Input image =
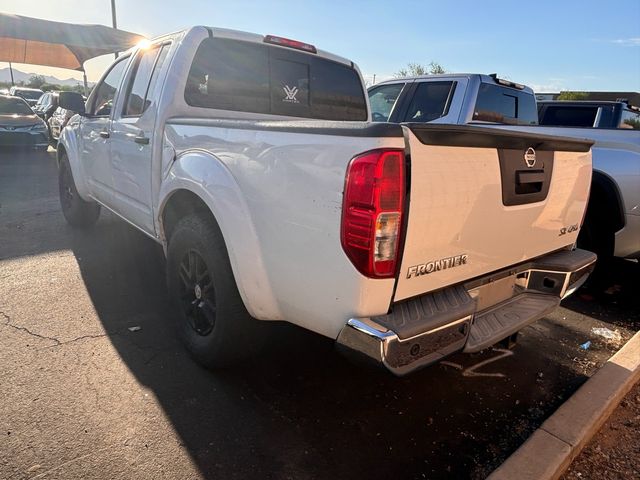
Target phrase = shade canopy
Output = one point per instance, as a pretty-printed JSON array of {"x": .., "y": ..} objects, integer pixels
[{"x": 56, "y": 44}]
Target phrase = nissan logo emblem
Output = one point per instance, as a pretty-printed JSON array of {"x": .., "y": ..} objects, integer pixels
[{"x": 530, "y": 157}]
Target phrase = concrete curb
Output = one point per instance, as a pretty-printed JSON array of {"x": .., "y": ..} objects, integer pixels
[{"x": 550, "y": 450}]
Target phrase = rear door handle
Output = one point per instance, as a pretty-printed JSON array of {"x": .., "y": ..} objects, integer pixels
[
  {"x": 141, "y": 139},
  {"x": 104, "y": 134}
]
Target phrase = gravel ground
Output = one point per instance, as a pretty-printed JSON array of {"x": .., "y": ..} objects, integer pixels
[{"x": 614, "y": 452}]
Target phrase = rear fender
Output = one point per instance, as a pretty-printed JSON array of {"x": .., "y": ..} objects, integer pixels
[{"x": 204, "y": 175}]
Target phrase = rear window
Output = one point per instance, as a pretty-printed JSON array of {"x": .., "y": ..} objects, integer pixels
[
  {"x": 569, "y": 116},
  {"x": 500, "y": 104},
  {"x": 249, "y": 77}
]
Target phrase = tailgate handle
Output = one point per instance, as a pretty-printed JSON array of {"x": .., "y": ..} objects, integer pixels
[
  {"x": 528, "y": 181},
  {"x": 530, "y": 177}
]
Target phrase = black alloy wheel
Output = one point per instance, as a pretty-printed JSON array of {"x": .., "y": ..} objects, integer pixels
[{"x": 197, "y": 294}]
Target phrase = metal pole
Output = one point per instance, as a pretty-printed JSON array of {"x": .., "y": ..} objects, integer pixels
[
  {"x": 11, "y": 71},
  {"x": 84, "y": 78},
  {"x": 113, "y": 19}
]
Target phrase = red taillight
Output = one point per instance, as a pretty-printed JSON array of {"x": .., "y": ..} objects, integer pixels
[
  {"x": 372, "y": 211},
  {"x": 286, "y": 42}
]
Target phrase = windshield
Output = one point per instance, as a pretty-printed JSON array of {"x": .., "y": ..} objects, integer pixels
[{"x": 10, "y": 106}]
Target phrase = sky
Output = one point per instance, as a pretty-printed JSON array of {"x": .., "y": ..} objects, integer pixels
[{"x": 548, "y": 45}]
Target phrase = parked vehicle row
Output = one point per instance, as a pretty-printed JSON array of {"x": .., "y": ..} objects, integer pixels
[
  {"x": 18, "y": 117},
  {"x": 253, "y": 161}
]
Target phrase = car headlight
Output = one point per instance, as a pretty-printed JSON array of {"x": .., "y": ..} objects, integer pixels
[{"x": 39, "y": 127}]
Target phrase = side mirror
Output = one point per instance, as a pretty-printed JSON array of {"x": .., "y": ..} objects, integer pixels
[{"x": 72, "y": 101}]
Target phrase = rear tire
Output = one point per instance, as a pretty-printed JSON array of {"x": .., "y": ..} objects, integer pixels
[
  {"x": 596, "y": 237},
  {"x": 76, "y": 211},
  {"x": 212, "y": 320}
]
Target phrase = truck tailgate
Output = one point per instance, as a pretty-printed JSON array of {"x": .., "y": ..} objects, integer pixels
[{"x": 482, "y": 199}]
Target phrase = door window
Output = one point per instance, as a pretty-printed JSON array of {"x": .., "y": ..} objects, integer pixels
[
  {"x": 383, "y": 99},
  {"x": 431, "y": 101},
  {"x": 105, "y": 92},
  {"x": 144, "y": 79}
]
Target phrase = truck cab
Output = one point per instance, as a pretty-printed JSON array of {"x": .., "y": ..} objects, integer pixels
[{"x": 459, "y": 98}]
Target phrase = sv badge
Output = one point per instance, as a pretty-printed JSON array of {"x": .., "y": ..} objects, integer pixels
[{"x": 569, "y": 229}]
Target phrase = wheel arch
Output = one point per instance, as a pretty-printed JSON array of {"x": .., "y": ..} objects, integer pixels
[
  {"x": 68, "y": 145},
  {"x": 605, "y": 201},
  {"x": 199, "y": 182}
]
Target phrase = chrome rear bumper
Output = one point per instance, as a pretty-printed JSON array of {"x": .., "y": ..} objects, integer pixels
[{"x": 468, "y": 317}]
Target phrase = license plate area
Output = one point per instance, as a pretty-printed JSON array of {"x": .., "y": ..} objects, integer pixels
[{"x": 494, "y": 292}]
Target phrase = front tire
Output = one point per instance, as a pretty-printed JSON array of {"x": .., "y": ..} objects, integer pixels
[
  {"x": 212, "y": 320},
  {"x": 76, "y": 211}
]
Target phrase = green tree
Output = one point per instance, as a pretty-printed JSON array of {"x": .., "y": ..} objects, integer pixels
[
  {"x": 36, "y": 81},
  {"x": 573, "y": 96},
  {"x": 78, "y": 87},
  {"x": 48, "y": 87},
  {"x": 416, "y": 69}
]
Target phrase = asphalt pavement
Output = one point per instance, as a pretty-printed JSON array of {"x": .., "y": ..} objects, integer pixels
[{"x": 87, "y": 394}]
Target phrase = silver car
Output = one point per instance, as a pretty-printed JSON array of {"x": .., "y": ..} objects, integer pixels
[{"x": 19, "y": 126}]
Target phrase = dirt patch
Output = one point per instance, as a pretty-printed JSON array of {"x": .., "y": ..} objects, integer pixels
[{"x": 614, "y": 452}]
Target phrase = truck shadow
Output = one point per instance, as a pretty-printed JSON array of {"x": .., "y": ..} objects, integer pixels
[{"x": 301, "y": 410}]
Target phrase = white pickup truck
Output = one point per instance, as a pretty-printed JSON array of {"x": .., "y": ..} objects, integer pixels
[{"x": 253, "y": 161}]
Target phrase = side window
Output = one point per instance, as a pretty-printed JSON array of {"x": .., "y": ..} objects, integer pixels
[
  {"x": 143, "y": 80},
  {"x": 430, "y": 102},
  {"x": 152, "y": 91},
  {"x": 630, "y": 119},
  {"x": 505, "y": 105},
  {"x": 382, "y": 100},
  {"x": 106, "y": 91}
]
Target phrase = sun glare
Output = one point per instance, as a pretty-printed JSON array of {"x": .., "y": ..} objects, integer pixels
[{"x": 143, "y": 44}]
